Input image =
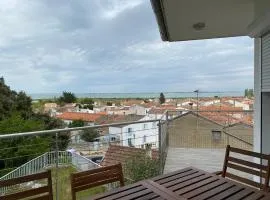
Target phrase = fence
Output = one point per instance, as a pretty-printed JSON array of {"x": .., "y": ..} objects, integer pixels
[{"x": 23, "y": 153}]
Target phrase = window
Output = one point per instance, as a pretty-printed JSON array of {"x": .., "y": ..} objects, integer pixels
[
  {"x": 145, "y": 126},
  {"x": 129, "y": 132},
  {"x": 154, "y": 125},
  {"x": 130, "y": 142},
  {"x": 144, "y": 139},
  {"x": 216, "y": 135}
]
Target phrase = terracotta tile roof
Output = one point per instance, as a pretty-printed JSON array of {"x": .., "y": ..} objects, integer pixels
[
  {"x": 86, "y": 117},
  {"x": 119, "y": 154}
]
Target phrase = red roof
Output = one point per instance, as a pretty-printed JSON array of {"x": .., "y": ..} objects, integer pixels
[
  {"x": 86, "y": 117},
  {"x": 119, "y": 154}
]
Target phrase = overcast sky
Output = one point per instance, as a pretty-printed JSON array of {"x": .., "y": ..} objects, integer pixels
[{"x": 111, "y": 46}]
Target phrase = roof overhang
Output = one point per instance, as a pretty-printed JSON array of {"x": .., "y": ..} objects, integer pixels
[{"x": 181, "y": 20}]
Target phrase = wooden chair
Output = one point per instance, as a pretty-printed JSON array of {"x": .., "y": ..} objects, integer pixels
[
  {"x": 44, "y": 192},
  {"x": 96, "y": 177},
  {"x": 250, "y": 167}
]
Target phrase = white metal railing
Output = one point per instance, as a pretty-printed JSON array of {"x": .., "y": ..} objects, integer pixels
[{"x": 48, "y": 159}]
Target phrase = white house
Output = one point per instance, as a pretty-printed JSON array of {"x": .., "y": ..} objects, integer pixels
[
  {"x": 139, "y": 109},
  {"x": 137, "y": 135},
  {"x": 244, "y": 105},
  {"x": 184, "y": 20}
]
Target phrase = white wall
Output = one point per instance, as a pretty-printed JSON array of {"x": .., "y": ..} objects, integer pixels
[{"x": 141, "y": 134}]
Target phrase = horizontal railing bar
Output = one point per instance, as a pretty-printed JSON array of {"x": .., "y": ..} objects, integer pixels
[
  {"x": 12, "y": 135},
  {"x": 244, "y": 111}
]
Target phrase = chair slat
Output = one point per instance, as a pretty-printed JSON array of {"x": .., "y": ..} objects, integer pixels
[
  {"x": 247, "y": 163},
  {"x": 24, "y": 179},
  {"x": 247, "y": 170},
  {"x": 243, "y": 180},
  {"x": 44, "y": 191},
  {"x": 27, "y": 193},
  {"x": 250, "y": 153},
  {"x": 96, "y": 177}
]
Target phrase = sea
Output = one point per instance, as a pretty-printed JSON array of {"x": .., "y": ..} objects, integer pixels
[{"x": 36, "y": 96}]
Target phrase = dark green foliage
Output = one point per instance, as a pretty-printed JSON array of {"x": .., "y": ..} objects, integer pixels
[
  {"x": 109, "y": 103},
  {"x": 16, "y": 116},
  {"x": 67, "y": 97},
  {"x": 76, "y": 123},
  {"x": 249, "y": 93},
  {"x": 162, "y": 98},
  {"x": 89, "y": 135},
  {"x": 86, "y": 101},
  {"x": 141, "y": 167}
]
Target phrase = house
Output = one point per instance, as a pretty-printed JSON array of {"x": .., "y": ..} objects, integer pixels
[
  {"x": 192, "y": 130},
  {"x": 88, "y": 118},
  {"x": 139, "y": 109},
  {"x": 137, "y": 135},
  {"x": 241, "y": 130}
]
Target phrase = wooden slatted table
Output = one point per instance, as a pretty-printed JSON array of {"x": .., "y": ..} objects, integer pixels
[{"x": 188, "y": 183}]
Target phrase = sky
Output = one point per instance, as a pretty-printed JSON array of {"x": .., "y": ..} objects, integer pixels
[{"x": 101, "y": 46}]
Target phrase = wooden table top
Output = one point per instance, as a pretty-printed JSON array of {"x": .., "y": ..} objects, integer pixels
[{"x": 188, "y": 183}]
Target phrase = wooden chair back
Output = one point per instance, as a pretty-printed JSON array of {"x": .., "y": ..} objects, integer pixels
[
  {"x": 250, "y": 167},
  {"x": 96, "y": 177},
  {"x": 44, "y": 192}
]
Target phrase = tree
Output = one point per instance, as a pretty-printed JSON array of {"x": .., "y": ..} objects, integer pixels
[
  {"x": 16, "y": 115},
  {"x": 86, "y": 100},
  {"x": 89, "y": 135},
  {"x": 249, "y": 93},
  {"x": 76, "y": 123},
  {"x": 141, "y": 167},
  {"x": 67, "y": 97},
  {"x": 162, "y": 98},
  {"x": 109, "y": 103}
]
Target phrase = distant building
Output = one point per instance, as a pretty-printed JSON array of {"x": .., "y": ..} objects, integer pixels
[
  {"x": 137, "y": 135},
  {"x": 88, "y": 118}
]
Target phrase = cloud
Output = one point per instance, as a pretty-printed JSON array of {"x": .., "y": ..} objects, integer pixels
[{"x": 111, "y": 46}]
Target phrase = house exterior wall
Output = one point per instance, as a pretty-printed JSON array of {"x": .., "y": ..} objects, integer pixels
[
  {"x": 138, "y": 110},
  {"x": 191, "y": 132},
  {"x": 245, "y": 132}
]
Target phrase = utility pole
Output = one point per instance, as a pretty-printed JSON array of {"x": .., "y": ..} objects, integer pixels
[{"x": 197, "y": 92}]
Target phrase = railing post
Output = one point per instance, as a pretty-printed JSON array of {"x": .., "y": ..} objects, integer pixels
[
  {"x": 56, "y": 166},
  {"x": 160, "y": 146}
]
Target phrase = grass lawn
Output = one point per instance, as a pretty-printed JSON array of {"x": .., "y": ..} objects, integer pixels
[{"x": 64, "y": 185}]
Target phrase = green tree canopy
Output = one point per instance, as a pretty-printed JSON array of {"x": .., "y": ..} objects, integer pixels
[
  {"x": 141, "y": 167},
  {"x": 249, "y": 93},
  {"x": 89, "y": 135},
  {"x": 67, "y": 97},
  {"x": 161, "y": 98},
  {"x": 76, "y": 123}
]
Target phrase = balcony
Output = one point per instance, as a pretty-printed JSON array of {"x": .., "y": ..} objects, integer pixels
[{"x": 179, "y": 140}]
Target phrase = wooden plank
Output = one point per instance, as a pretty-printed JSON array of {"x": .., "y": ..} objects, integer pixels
[
  {"x": 250, "y": 153},
  {"x": 27, "y": 193},
  {"x": 119, "y": 192},
  {"x": 191, "y": 182},
  {"x": 227, "y": 193},
  {"x": 247, "y": 163},
  {"x": 240, "y": 195},
  {"x": 202, "y": 189},
  {"x": 163, "y": 176},
  {"x": 254, "y": 196},
  {"x": 175, "y": 176},
  {"x": 161, "y": 191},
  {"x": 184, "y": 179},
  {"x": 209, "y": 192},
  {"x": 247, "y": 170},
  {"x": 23, "y": 179},
  {"x": 192, "y": 185},
  {"x": 243, "y": 180}
]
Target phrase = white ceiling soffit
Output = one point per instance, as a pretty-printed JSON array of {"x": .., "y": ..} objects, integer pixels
[{"x": 181, "y": 20}]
